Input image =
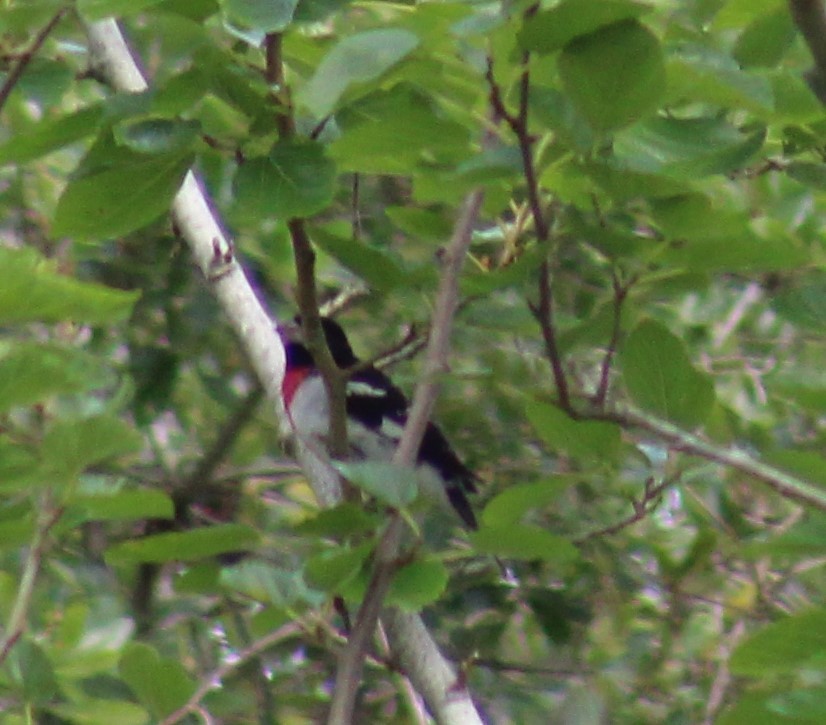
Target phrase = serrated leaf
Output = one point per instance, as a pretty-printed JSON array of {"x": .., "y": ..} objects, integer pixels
[
  {"x": 524, "y": 542},
  {"x": 125, "y": 506},
  {"x": 185, "y": 545},
  {"x": 660, "y": 378},
  {"x": 782, "y": 646},
  {"x": 594, "y": 72},
  {"x": 586, "y": 440},
  {"x": 31, "y": 373},
  {"x": 418, "y": 584},
  {"x": 393, "y": 485},
  {"x": 160, "y": 683},
  {"x": 113, "y": 201},
  {"x": 357, "y": 59},
  {"x": 295, "y": 180},
  {"x": 31, "y": 290},
  {"x": 549, "y": 30}
]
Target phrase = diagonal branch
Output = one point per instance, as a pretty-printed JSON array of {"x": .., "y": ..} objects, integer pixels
[
  {"x": 411, "y": 643},
  {"x": 28, "y": 55},
  {"x": 348, "y": 675},
  {"x": 810, "y": 18}
]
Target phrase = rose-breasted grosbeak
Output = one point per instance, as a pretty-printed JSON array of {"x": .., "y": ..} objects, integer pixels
[{"x": 376, "y": 415}]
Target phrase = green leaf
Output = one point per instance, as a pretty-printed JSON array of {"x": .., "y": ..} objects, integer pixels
[
  {"x": 346, "y": 519},
  {"x": 513, "y": 503},
  {"x": 31, "y": 290},
  {"x": 660, "y": 378},
  {"x": 783, "y": 646},
  {"x": 803, "y": 705},
  {"x": 184, "y": 546},
  {"x": 391, "y": 132},
  {"x": 295, "y": 180},
  {"x": 355, "y": 60},
  {"x": 418, "y": 584},
  {"x": 101, "y": 712},
  {"x": 111, "y": 202},
  {"x": 549, "y": 30},
  {"x": 393, "y": 485},
  {"x": 160, "y": 683},
  {"x": 100, "y": 9},
  {"x": 805, "y": 303},
  {"x": 33, "y": 671},
  {"x": 701, "y": 73},
  {"x": 686, "y": 148},
  {"x": 42, "y": 138},
  {"x": 587, "y": 440},
  {"x": 71, "y": 445},
  {"x": 266, "y": 583},
  {"x": 125, "y": 506},
  {"x": 525, "y": 542},
  {"x": 330, "y": 570},
  {"x": 30, "y": 373},
  {"x": 766, "y": 40},
  {"x": 252, "y": 20},
  {"x": 596, "y": 74},
  {"x": 379, "y": 269},
  {"x": 157, "y": 135}
]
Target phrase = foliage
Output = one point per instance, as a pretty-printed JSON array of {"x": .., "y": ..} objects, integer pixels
[{"x": 638, "y": 353}]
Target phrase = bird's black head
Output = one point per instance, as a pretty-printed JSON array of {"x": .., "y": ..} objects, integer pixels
[{"x": 297, "y": 354}]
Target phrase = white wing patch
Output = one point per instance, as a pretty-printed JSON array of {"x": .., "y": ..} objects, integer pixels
[{"x": 357, "y": 388}]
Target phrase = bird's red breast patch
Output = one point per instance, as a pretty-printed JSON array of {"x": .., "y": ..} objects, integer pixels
[{"x": 292, "y": 380}]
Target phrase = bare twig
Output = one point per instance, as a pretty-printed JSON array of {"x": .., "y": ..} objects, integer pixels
[
  {"x": 214, "y": 678},
  {"x": 620, "y": 294},
  {"x": 649, "y": 501},
  {"x": 27, "y": 56},
  {"x": 47, "y": 517},
  {"x": 348, "y": 675}
]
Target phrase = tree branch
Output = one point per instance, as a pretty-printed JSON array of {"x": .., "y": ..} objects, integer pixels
[
  {"x": 213, "y": 253},
  {"x": 46, "y": 518},
  {"x": 348, "y": 675},
  {"x": 214, "y": 678},
  {"x": 25, "y": 58}
]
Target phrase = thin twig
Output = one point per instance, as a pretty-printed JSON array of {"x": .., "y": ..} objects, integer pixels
[
  {"x": 544, "y": 313},
  {"x": 620, "y": 295},
  {"x": 47, "y": 517},
  {"x": 28, "y": 55},
  {"x": 349, "y": 671},
  {"x": 214, "y": 678},
  {"x": 649, "y": 501}
]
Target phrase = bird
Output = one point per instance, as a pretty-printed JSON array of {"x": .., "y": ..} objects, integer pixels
[{"x": 376, "y": 415}]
